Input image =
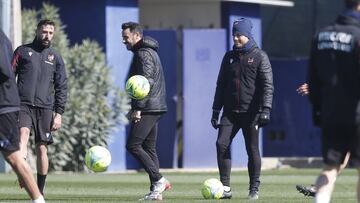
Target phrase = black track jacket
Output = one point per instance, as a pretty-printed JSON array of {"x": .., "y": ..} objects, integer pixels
[
  {"x": 146, "y": 62},
  {"x": 245, "y": 82},
  {"x": 334, "y": 72},
  {"x": 9, "y": 97},
  {"x": 42, "y": 80}
]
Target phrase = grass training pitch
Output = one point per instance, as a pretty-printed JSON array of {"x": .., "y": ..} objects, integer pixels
[{"x": 276, "y": 186}]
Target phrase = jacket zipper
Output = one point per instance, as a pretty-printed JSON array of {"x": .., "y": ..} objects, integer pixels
[
  {"x": 238, "y": 84},
  {"x": 37, "y": 77}
]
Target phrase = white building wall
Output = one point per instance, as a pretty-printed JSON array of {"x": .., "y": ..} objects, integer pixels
[
  {"x": 175, "y": 14},
  {"x": 5, "y": 16}
]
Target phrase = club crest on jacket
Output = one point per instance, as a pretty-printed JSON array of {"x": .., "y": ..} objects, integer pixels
[{"x": 51, "y": 57}]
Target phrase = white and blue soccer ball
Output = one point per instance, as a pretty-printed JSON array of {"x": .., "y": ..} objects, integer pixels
[
  {"x": 212, "y": 189},
  {"x": 97, "y": 158},
  {"x": 137, "y": 87}
]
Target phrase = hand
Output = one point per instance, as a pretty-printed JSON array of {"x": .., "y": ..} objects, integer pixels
[
  {"x": 56, "y": 122},
  {"x": 214, "y": 119},
  {"x": 264, "y": 117},
  {"x": 136, "y": 116},
  {"x": 303, "y": 89}
]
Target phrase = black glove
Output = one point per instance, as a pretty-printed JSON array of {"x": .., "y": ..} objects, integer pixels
[
  {"x": 264, "y": 117},
  {"x": 316, "y": 115},
  {"x": 214, "y": 119}
]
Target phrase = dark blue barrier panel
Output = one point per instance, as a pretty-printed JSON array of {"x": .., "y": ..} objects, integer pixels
[
  {"x": 291, "y": 132},
  {"x": 85, "y": 18},
  {"x": 119, "y": 61},
  {"x": 167, "y": 126},
  {"x": 203, "y": 50},
  {"x": 79, "y": 18}
]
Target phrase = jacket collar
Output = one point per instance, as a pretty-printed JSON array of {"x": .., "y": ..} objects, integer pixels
[
  {"x": 38, "y": 46},
  {"x": 249, "y": 46},
  {"x": 346, "y": 19},
  {"x": 146, "y": 42}
]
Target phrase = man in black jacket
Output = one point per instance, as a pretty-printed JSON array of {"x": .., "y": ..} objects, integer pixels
[
  {"x": 146, "y": 113},
  {"x": 334, "y": 83},
  {"x": 42, "y": 85},
  {"x": 244, "y": 91},
  {"x": 9, "y": 123},
  {"x": 303, "y": 90}
]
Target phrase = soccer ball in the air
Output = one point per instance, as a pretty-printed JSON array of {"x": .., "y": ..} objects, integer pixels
[
  {"x": 212, "y": 189},
  {"x": 137, "y": 87},
  {"x": 97, "y": 158}
]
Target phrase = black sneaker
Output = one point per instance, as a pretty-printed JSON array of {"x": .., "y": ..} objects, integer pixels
[
  {"x": 310, "y": 192},
  {"x": 253, "y": 195},
  {"x": 226, "y": 195}
]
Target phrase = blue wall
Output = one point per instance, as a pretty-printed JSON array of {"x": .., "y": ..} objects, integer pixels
[
  {"x": 83, "y": 19},
  {"x": 202, "y": 54},
  {"x": 89, "y": 15},
  {"x": 167, "y": 126},
  {"x": 291, "y": 132},
  {"x": 118, "y": 58}
]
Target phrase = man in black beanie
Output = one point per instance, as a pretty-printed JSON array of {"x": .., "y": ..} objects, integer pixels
[
  {"x": 244, "y": 92},
  {"x": 334, "y": 84}
]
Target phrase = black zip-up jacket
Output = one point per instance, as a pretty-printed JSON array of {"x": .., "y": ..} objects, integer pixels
[
  {"x": 42, "y": 80},
  {"x": 9, "y": 97},
  {"x": 245, "y": 82},
  {"x": 146, "y": 62},
  {"x": 334, "y": 72}
]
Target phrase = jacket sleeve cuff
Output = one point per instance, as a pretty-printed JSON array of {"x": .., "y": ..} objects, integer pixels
[
  {"x": 266, "y": 109},
  {"x": 59, "y": 111}
]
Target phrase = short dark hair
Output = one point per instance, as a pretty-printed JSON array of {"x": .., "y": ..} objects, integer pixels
[
  {"x": 351, "y": 3},
  {"x": 45, "y": 22},
  {"x": 134, "y": 27}
]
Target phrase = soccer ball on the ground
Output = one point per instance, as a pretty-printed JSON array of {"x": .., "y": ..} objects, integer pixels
[
  {"x": 97, "y": 158},
  {"x": 212, "y": 189},
  {"x": 137, "y": 87}
]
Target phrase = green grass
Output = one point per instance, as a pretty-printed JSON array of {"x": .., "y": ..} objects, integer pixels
[{"x": 278, "y": 186}]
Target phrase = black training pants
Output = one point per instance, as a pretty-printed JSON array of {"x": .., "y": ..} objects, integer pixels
[
  {"x": 229, "y": 126},
  {"x": 141, "y": 143}
]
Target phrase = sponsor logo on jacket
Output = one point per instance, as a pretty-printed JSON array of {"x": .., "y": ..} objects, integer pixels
[{"x": 339, "y": 41}]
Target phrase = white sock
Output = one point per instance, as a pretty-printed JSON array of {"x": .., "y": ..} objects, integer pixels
[
  {"x": 39, "y": 200},
  {"x": 227, "y": 188},
  {"x": 323, "y": 197}
]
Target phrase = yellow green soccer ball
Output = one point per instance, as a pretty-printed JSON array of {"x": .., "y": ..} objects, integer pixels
[
  {"x": 212, "y": 189},
  {"x": 97, "y": 158},
  {"x": 137, "y": 87}
]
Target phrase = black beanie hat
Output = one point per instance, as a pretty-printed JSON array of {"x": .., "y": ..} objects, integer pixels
[{"x": 243, "y": 26}]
